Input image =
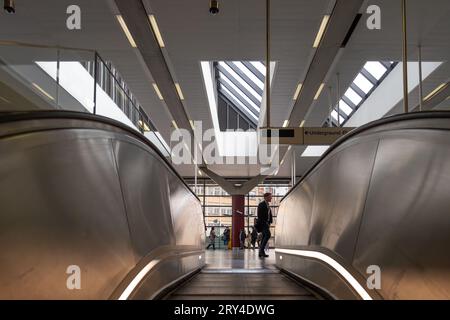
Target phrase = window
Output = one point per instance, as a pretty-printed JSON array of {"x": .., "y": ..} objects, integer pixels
[
  {"x": 365, "y": 82},
  {"x": 362, "y": 83},
  {"x": 345, "y": 107},
  {"x": 241, "y": 84},
  {"x": 375, "y": 68},
  {"x": 353, "y": 96}
]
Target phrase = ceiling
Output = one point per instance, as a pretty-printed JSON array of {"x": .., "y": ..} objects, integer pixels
[{"x": 191, "y": 34}]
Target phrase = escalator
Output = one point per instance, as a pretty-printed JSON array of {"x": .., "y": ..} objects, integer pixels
[
  {"x": 235, "y": 285},
  {"x": 88, "y": 202}
]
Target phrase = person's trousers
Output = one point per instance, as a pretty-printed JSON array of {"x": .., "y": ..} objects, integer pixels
[{"x": 265, "y": 239}]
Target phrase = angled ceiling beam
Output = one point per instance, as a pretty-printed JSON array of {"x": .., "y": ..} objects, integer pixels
[
  {"x": 341, "y": 20},
  {"x": 135, "y": 16},
  {"x": 230, "y": 187}
]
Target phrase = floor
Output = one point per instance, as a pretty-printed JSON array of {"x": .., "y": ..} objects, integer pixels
[{"x": 240, "y": 275}]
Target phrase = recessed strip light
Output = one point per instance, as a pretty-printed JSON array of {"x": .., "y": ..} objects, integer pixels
[
  {"x": 297, "y": 91},
  {"x": 126, "y": 31},
  {"x": 435, "y": 91},
  {"x": 45, "y": 93},
  {"x": 333, "y": 264},
  {"x": 180, "y": 93},
  {"x": 144, "y": 126},
  {"x": 158, "y": 93},
  {"x": 139, "y": 277},
  {"x": 156, "y": 30},
  {"x": 174, "y": 124},
  {"x": 319, "y": 91},
  {"x": 192, "y": 124},
  {"x": 322, "y": 28},
  {"x": 285, "y": 123},
  {"x": 302, "y": 124}
]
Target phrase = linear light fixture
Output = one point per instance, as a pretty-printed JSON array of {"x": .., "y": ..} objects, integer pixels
[
  {"x": 158, "y": 93},
  {"x": 144, "y": 126},
  {"x": 139, "y": 277},
  {"x": 45, "y": 93},
  {"x": 302, "y": 123},
  {"x": 435, "y": 91},
  {"x": 192, "y": 124},
  {"x": 126, "y": 31},
  {"x": 156, "y": 30},
  {"x": 333, "y": 264},
  {"x": 297, "y": 91},
  {"x": 319, "y": 91},
  {"x": 285, "y": 123},
  {"x": 174, "y": 124},
  {"x": 321, "y": 31},
  {"x": 180, "y": 93}
]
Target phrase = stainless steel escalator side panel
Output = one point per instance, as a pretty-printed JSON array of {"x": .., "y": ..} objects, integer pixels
[
  {"x": 61, "y": 205},
  {"x": 406, "y": 225},
  {"x": 379, "y": 197},
  {"x": 85, "y": 192}
]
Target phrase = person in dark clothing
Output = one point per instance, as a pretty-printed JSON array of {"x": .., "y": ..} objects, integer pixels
[
  {"x": 264, "y": 221},
  {"x": 254, "y": 236},
  {"x": 242, "y": 237},
  {"x": 226, "y": 236}
]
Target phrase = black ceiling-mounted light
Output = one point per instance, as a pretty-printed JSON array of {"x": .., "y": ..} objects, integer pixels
[
  {"x": 214, "y": 7},
  {"x": 9, "y": 6}
]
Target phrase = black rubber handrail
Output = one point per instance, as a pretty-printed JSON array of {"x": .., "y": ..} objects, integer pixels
[
  {"x": 12, "y": 116},
  {"x": 391, "y": 119}
]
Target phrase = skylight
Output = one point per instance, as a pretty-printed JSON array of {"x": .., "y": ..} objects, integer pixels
[
  {"x": 365, "y": 82},
  {"x": 362, "y": 83},
  {"x": 241, "y": 83},
  {"x": 375, "y": 68},
  {"x": 353, "y": 96}
]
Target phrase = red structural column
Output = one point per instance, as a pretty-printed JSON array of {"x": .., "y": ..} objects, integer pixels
[{"x": 238, "y": 207}]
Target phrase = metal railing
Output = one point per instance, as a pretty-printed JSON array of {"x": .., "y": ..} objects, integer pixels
[{"x": 77, "y": 80}]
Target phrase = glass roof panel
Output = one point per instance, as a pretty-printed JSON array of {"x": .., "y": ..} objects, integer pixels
[
  {"x": 241, "y": 81},
  {"x": 258, "y": 65},
  {"x": 242, "y": 95},
  {"x": 375, "y": 68},
  {"x": 249, "y": 74},
  {"x": 353, "y": 96},
  {"x": 362, "y": 82},
  {"x": 345, "y": 107}
]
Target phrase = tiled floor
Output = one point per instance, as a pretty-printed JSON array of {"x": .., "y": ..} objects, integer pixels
[
  {"x": 238, "y": 259},
  {"x": 240, "y": 275}
]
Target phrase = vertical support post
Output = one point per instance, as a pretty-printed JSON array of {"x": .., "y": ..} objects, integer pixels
[
  {"x": 338, "y": 89},
  {"x": 420, "y": 79},
  {"x": 95, "y": 82},
  {"x": 268, "y": 63},
  {"x": 58, "y": 59},
  {"x": 195, "y": 177},
  {"x": 238, "y": 221},
  {"x": 330, "y": 101},
  {"x": 405, "y": 59},
  {"x": 293, "y": 166}
]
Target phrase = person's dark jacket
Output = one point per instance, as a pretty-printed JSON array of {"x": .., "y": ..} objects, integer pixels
[
  {"x": 226, "y": 234},
  {"x": 264, "y": 216},
  {"x": 254, "y": 235},
  {"x": 242, "y": 236}
]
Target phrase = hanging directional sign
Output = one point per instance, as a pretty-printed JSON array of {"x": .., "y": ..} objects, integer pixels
[
  {"x": 323, "y": 136},
  {"x": 302, "y": 136}
]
